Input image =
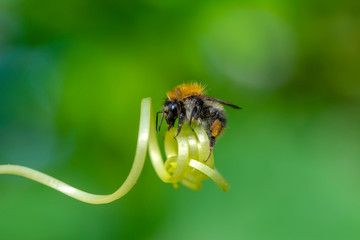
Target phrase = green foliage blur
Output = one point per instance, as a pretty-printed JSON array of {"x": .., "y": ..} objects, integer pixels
[{"x": 73, "y": 73}]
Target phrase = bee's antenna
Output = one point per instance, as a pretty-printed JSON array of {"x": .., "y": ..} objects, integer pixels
[
  {"x": 162, "y": 117},
  {"x": 157, "y": 118}
]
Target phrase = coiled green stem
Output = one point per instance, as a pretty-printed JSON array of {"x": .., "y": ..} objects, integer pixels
[{"x": 184, "y": 162}]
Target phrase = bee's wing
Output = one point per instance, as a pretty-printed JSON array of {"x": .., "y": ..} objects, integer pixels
[{"x": 219, "y": 101}]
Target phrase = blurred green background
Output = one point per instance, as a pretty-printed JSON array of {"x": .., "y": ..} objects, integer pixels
[{"x": 73, "y": 73}]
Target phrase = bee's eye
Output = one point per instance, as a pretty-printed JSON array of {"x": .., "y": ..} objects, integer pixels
[
  {"x": 174, "y": 108},
  {"x": 171, "y": 108}
]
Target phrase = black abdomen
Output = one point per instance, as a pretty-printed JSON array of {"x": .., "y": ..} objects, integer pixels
[{"x": 210, "y": 113}]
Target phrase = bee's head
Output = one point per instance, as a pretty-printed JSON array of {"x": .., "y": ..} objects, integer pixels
[{"x": 171, "y": 112}]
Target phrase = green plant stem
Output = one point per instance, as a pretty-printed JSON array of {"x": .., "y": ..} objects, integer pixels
[{"x": 181, "y": 157}]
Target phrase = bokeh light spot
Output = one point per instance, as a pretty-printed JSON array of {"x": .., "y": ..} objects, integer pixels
[{"x": 252, "y": 47}]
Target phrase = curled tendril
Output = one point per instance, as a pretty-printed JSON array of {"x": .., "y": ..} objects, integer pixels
[{"x": 184, "y": 163}]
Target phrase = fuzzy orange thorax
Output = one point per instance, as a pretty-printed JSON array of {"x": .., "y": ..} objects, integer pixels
[{"x": 185, "y": 90}]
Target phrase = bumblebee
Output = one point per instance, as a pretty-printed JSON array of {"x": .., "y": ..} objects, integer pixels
[{"x": 188, "y": 103}]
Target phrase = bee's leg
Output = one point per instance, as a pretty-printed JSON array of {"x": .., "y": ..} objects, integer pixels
[
  {"x": 215, "y": 128},
  {"x": 182, "y": 118},
  {"x": 195, "y": 112},
  {"x": 212, "y": 145}
]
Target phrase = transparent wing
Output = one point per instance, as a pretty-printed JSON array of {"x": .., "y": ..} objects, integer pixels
[{"x": 220, "y": 101}]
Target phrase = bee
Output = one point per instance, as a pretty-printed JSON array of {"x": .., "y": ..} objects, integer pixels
[{"x": 187, "y": 103}]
